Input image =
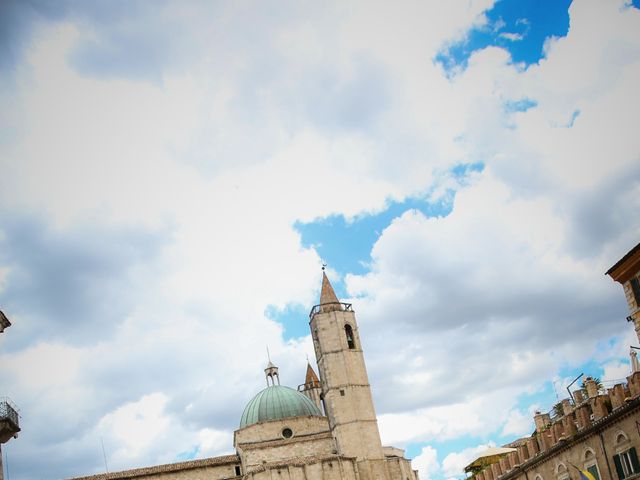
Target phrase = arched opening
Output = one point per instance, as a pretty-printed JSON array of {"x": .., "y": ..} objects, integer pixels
[{"x": 349, "y": 333}]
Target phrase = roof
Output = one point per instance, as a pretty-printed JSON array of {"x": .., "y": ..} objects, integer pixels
[
  {"x": 627, "y": 266},
  {"x": 275, "y": 403},
  {"x": 169, "y": 467},
  {"x": 311, "y": 378},
  {"x": 490, "y": 455},
  {"x": 327, "y": 295}
]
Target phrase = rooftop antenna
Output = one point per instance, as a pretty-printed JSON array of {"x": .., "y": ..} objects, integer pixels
[
  {"x": 104, "y": 455},
  {"x": 268, "y": 356},
  {"x": 324, "y": 265}
]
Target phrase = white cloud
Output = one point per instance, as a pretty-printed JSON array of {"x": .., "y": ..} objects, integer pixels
[
  {"x": 333, "y": 112},
  {"x": 518, "y": 423},
  {"x": 454, "y": 463},
  {"x": 426, "y": 463}
]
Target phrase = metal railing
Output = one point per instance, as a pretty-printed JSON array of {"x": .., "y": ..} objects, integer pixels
[
  {"x": 346, "y": 307},
  {"x": 8, "y": 411}
]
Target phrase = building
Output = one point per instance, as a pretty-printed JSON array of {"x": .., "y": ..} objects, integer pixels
[
  {"x": 9, "y": 418},
  {"x": 325, "y": 430},
  {"x": 595, "y": 433}
]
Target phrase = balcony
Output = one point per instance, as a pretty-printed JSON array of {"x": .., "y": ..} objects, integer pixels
[{"x": 9, "y": 420}]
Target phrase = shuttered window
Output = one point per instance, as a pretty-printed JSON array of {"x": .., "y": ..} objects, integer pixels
[{"x": 626, "y": 463}]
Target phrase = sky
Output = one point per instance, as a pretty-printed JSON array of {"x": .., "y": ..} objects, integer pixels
[{"x": 175, "y": 174}]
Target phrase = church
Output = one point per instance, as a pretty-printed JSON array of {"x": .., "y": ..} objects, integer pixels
[{"x": 325, "y": 430}]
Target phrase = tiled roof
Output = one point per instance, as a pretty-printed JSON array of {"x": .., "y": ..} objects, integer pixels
[{"x": 169, "y": 467}]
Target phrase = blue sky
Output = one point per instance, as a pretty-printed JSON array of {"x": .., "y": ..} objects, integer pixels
[{"x": 175, "y": 176}]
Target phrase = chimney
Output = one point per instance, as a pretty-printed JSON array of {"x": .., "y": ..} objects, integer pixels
[
  {"x": 591, "y": 386},
  {"x": 541, "y": 420}
]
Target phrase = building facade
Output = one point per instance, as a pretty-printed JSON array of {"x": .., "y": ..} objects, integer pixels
[
  {"x": 595, "y": 433},
  {"x": 325, "y": 430}
]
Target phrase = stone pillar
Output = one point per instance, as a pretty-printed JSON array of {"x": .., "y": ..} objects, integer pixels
[
  {"x": 513, "y": 459},
  {"x": 583, "y": 416},
  {"x": 532, "y": 446},
  {"x": 633, "y": 381},
  {"x": 497, "y": 471},
  {"x": 616, "y": 395},
  {"x": 578, "y": 396},
  {"x": 569, "y": 425},
  {"x": 592, "y": 388},
  {"x": 488, "y": 473},
  {"x": 558, "y": 430},
  {"x": 504, "y": 464},
  {"x": 523, "y": 452},
  {"x": 479, "y": 476},
  {"x": 599, "y": 407}
]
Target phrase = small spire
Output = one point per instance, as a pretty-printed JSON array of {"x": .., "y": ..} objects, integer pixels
[
  {"x": 327, "y": 295},
  {"x": 311, "y": 379},
  {"x": 271, "y": 372}
]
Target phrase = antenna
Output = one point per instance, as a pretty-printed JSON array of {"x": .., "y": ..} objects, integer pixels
[
  {"x": 104, "y": 455},
  {"x": 268, "y": 356}
]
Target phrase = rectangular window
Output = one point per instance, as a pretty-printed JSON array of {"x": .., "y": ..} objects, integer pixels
[
  {"x": 627, "y": 463},
  {"x": 237, "y": 470}
]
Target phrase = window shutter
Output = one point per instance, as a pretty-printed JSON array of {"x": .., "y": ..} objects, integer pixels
[
  {"x": 635, "y": 287},
  {"x": 634, "y": 459},
  {"x": 618, "y": 462}
]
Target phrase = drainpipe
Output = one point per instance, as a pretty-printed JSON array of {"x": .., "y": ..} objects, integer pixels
[{"x": 606, "y": 456}]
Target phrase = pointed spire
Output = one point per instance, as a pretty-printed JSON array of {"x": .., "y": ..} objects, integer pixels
[
  {"x": 311, "y": 380},
  {"x": 327, "y": 295}
]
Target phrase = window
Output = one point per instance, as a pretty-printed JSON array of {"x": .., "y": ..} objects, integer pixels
[
  {"x": 635, "y": 287},
  {"x": 287, "y": 432},
  {"x": 590, "y": 464},
  {"x": 561, "y": 472},
  {"x": 349, "y": 332},
  {"x": 627, "y": 463},
  {"x": 238, "y": 473}
]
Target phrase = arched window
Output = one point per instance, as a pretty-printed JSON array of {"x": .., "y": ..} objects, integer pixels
[
  {"x": 350, "y": 339},
  {"x": 561, "y": 472},
  {"x": 590, "y": 463}
]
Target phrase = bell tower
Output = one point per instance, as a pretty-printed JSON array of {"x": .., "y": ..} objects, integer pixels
[{"x": 346, "y": 392}]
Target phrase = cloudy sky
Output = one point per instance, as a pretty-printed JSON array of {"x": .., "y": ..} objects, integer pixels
[{"x": 174, "y": 174}]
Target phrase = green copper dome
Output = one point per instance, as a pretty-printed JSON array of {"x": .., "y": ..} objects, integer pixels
[{"x": 277, "y": 402}]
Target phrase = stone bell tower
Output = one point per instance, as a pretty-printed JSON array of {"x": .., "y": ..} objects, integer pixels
[{"x": 346, "y": 393}]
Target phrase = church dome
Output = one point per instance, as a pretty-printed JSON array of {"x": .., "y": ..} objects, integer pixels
[{"x": 277, "y": 402}]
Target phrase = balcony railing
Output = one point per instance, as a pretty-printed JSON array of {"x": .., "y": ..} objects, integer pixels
[
  {"x": 9, "y": 412},
  {"x": 345, "y": 307}
]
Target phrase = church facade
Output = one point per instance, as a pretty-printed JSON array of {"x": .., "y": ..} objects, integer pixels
[{"x": 325, "y": 430}]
